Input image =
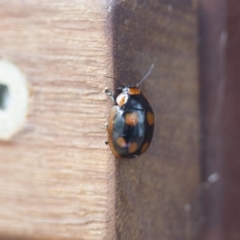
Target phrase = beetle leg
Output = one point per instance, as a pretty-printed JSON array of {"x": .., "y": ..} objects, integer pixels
[{"x": 109, "y": 93}]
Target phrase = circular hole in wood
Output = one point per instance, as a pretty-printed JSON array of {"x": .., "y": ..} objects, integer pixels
[
  {"x": 14, "y": 100},
  {"x": 4, "y": 97}
]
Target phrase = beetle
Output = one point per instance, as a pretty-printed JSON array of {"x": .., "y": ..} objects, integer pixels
[{"x": 131, "y": 122}]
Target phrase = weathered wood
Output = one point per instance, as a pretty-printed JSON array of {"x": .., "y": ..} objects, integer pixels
[
  {"x": 212, "y": 20},
  {"x": 219, "y": 78},
  {"x": 157, "y": 194},
  {"x": 56, "y": 179}
]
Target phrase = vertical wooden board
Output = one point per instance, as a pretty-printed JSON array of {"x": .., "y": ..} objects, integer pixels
[
  {"x": 219, "y": 75},
  {"x": 157, "y": 193},
  {"x": 56, "y": 179},
  {"x": 213, "y": 37}
]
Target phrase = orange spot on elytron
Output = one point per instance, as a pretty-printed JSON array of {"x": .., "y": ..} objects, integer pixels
[
  {"x": 150, "y": 118},
  {"x": 133, "y": 147},
  {"x": 121, "y": 99},
  {"x": 145, "y": 147},
  {"x": 134, "y": 91},
  {"x": 131, "y": 118},
  {"x": 121, "y": 142}
]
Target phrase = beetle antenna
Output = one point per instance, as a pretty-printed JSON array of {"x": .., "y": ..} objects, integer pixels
[
  {"x": 146, "y": 76},
  {"x": 115, "y": 79}
]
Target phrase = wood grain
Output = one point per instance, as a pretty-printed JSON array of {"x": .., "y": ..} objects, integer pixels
[
  {"x": 212, "y": 20},
  {"x": 219, "y": 75},
  {"x": 157, "y": 193},
  {"x": 56, "y": 179}
]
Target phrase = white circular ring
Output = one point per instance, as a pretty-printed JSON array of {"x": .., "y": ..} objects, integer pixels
[{"x": 14, "y": 116}]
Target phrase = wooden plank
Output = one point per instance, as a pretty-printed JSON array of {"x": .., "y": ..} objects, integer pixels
[
  {"x": 231, "y": 121},
  {"x": 56, "y": 179},
  {"x": 212, "y": 19},
  {"x": 219, "y": 75},
  {"x": 157, "y": 193}
]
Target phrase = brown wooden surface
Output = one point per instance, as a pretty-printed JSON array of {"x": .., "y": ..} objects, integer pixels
[
  {"x": 220, "y": 87},
  {"x": 157, "y": 194},
  {"x": 57, "y": 179}
]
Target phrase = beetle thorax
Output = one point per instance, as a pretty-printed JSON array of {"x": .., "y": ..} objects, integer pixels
[{"x": 122, "y": 99}]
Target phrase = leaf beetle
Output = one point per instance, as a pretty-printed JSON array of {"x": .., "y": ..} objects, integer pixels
[{"x": 131, "y": 122}]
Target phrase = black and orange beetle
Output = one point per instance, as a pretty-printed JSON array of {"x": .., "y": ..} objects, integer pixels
[{"x": 131, "y": 122}]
